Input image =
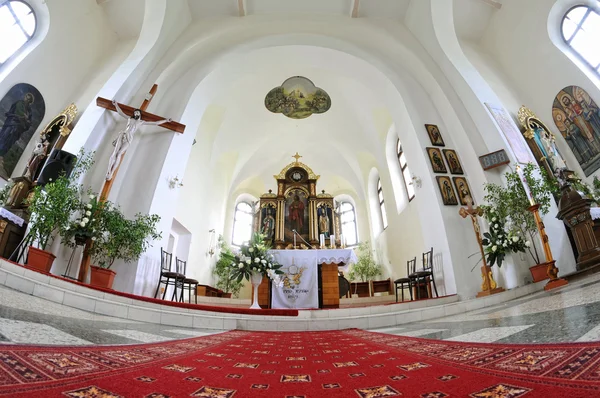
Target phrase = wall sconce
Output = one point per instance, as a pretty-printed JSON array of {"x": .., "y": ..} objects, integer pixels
[
  {"x": 175, "y": 182},
  {"x": 416, "y": 181},
  {"x": 211, "y": 243}
]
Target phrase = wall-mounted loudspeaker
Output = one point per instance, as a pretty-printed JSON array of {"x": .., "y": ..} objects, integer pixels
[{"x": 59, "y": 163}]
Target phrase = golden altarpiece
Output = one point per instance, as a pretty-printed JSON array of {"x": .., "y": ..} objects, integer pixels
[{"x": 296, "y": 211}]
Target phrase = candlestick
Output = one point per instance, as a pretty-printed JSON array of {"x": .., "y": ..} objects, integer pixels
[
  {"x": 332, "y": 241},
  {"x": 294, "y": 241},
  {"x": 525, "y": 185},
  {"x": 342, "y": 243}
]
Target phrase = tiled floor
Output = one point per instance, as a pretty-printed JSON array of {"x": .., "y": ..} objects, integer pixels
[{"x": 571, "y": 313}]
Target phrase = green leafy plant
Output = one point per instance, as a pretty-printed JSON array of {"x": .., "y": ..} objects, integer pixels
[
  {"x": 591, "y": 191},
  {"x": 510, "y": 204},
  {"x": 224, "y": 271},
  {"x": 121, "y": 238},
  {"x": 253, "y": 257},
  {"x": 365, "y": 268},
  {"x": 53, "y": 205}
]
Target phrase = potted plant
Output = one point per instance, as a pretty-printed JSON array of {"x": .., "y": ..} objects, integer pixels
[
  {"x": 366, "y": 268},
  {"x": 509, "y": 204},
  {"x": 252, "y": 262},
  {"x": 224, "y": 272},
  {"x": 120, "y": 238},
  {"x": 51, "y": 208},
  {"x": 87, "y": 223}
]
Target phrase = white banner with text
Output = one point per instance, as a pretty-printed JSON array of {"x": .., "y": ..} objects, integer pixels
[{"x": 300, "y": 288}]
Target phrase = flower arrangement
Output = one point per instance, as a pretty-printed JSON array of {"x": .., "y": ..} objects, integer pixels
[
  {"x": 253, "y": 257},
  {"x": 224, "y": 271},
  {"x": 87, "y": 223},
  {"x": 500, "y": 240}
]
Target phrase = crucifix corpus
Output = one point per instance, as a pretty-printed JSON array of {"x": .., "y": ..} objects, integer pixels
[
  {"x": 136, "y": 117},
  {"x": 489, "y": 286}
]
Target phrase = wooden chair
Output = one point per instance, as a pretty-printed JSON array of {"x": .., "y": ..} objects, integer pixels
[
  {"x": 426, "y": 274},
  {"x": 181, "y": 267},
  {"x": 166, "y": 275},
  {"x": 400, "y": 283}
]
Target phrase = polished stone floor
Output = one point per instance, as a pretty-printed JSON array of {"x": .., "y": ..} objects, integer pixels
[{"x": 571, "y": 313}]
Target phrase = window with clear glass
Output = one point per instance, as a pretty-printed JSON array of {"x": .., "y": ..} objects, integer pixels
[
  {"x": 242, "y": 224},
  {"x": 349, "y": 228},
  {"x": 17, "y": 27},
  {"x": 581, "y": 31},
  {"x": 410, "y": 189},
  {"x": 382, "y": 204}
]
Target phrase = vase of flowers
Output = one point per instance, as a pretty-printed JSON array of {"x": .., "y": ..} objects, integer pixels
[
  {"x": 253, "y": 262},
  {"x": 500, "y": 239}
]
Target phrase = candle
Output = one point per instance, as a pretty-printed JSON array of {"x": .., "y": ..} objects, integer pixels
[
  {"x": 294, "y": 241},
  {"x": 322, "y": 241},
  {"x": 342, "y": 243},
  {"x": 525, "y": 185},
  {"x": 332, "y": 241}
]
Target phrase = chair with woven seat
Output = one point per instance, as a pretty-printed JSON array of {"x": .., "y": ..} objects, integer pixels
[
  {"x": 168, "y": 277},
  {"x": 189, "y": 282},
  {"x": 406, "y": 283},
  {"x": 425, "y": 276}
]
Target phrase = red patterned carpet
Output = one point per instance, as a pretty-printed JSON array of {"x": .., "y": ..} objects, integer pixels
[{"x": 351, "y": 363}]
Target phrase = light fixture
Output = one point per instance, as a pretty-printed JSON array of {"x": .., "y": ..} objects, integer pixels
[
  {"x": 175, "y": 182},
  {"x": 211, "y": 243},
  {"x": 416, "y": 181}
]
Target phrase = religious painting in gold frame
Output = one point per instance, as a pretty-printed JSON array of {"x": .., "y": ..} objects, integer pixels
[
  {"x": 453, "y": 162},
  {"x": 296, "y": 213},
  {"x": 435, "y": 157},
  {"x": 463, "y": 190},
  {"x": 434, "y": 135},
  {"x": 447, "y": 191}
]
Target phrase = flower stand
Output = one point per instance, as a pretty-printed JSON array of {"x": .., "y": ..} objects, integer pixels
[{"x": 256, "y": 280}]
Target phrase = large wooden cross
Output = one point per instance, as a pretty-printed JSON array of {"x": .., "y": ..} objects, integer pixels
[{"x": 128, "y": 110}]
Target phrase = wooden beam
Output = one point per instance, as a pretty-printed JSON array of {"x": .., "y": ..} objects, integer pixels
[
  {"x": 355, "y": 8},
  {"x": 128, "y": 110},
  {"x": 242, "y": 10}
]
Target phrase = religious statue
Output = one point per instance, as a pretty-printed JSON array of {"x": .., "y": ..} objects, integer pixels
[
  {"x": 18, "y": 120},
  {"x": 40, "y": 151},
  {"x": 123, "y": 140},
  {"x": 545, "y": 140},
  {"x": 296, "y": 215},
  {"x": 268, "y": 226},
  {"x": 324, "y": 222},
  {"x": 17, "y": 191}
]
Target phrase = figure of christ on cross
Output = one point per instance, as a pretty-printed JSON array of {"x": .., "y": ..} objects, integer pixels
[{"x": 136, "y": 117}]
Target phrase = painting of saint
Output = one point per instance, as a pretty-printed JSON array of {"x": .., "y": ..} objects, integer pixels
[
  {"x": 448, "y": 195},
  {"x": 453, "y": 162},
  {"x": 296, "y": 217},
  {"x": 577, "y": 117},
  {"x": 435, "y": 156},
  {"x": 267, "y": 227},
  {"x": 21, "y": 112},
  {"x": 462, "y": 187},
  {"x": 434, "y": 135}
]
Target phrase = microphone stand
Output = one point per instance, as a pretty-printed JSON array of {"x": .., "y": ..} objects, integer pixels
[{"x": 300, "y": 236}]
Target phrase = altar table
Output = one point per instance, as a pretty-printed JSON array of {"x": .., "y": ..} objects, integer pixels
[{"x": 312, "y": 279}]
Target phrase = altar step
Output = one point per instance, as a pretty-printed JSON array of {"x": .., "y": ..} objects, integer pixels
[{"x": 367, "y": 317}]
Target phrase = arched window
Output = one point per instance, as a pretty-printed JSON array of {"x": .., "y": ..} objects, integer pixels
[
  {"x": 242, "y": 224},
  {"x": 17, "y": 26},
  {"x": 349, "y": 229},
  {"x": 581, "y": 31},
  {"x": 410, "y": 190},
  {"x": 381, "y": 204}
]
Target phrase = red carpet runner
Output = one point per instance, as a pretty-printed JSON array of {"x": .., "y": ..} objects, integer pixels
[{"x": 347, "y": 363}]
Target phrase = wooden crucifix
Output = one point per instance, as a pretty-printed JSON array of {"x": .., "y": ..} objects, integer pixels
[{"x": 136, "y": 118}]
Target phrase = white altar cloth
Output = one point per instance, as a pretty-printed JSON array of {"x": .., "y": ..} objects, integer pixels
[
  {"x": 595, "y": 213},
  {"x": 301, "y": 285},
  {"x": 12, "y": 217}
]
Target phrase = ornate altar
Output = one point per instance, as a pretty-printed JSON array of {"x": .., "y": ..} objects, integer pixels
[
  {"x": 52, "y": 136},
  {"x": 297, "y": 207}
]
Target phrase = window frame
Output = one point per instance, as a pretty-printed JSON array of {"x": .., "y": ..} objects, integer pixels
[
  {"x": 399, "y": 153},
  {"x": 382, "y": 210},
  {"x": 580, "y": 56},
  {"x": 235, "y": 220},
  {"x": 353, "y": 211}
]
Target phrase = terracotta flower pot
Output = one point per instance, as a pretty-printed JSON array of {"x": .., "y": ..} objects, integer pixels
[
  {"x": 102, "y": 277},
  {"x": 40, "y": 259},
  {"x": 226, "y": 295},
  {"x": 539, "y": 272}
]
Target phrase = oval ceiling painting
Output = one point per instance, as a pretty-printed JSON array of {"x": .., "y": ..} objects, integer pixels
[{"x": 297, "y": 98}]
